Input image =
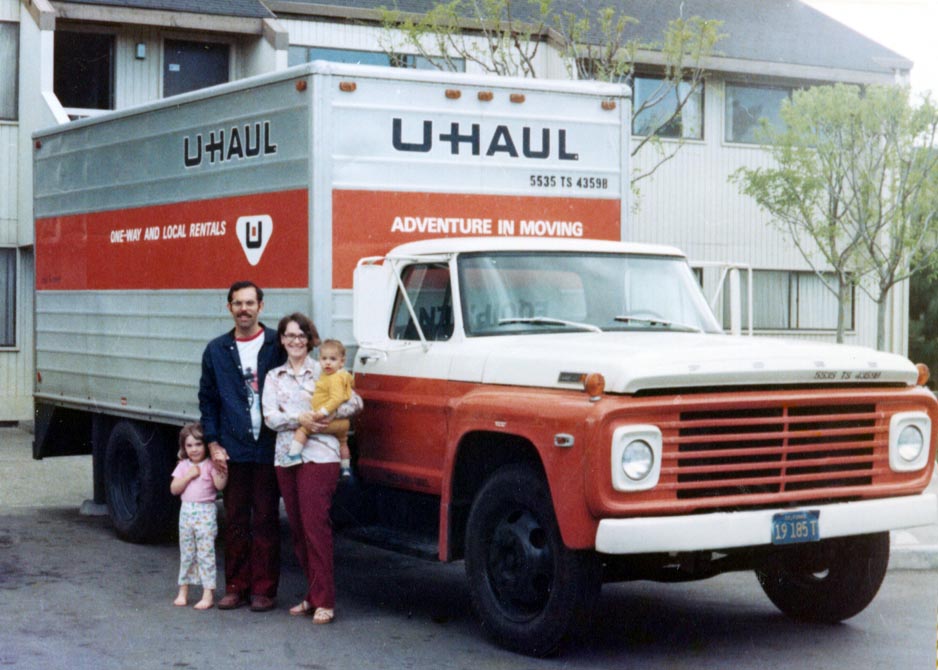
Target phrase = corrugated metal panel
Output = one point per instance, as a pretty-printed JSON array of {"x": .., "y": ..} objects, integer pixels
[
  {"x": 99, "y": 180},
  {"x": 137, "y": 350}
]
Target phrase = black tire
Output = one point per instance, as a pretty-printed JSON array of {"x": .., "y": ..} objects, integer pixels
[
  {"x": 531, "y": 593},
  {"x": 137, "y": 469},
  {"x": 829, "y": 581}
]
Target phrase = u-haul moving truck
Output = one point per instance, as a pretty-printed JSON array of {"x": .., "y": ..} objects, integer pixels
[{"x": 558, "y": 412}]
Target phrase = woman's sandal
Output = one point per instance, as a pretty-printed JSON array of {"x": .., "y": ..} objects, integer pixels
[
  {"x": 301, "y": 609},
  {"x": 323, "y": 615}
]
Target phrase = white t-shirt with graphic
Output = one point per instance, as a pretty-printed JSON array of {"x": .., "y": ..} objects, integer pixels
[{"x": 248, "y": 349}]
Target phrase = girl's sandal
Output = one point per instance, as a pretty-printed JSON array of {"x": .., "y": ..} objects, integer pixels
[
  {"x": 301, "y": 609},
  {"x": 323, "y": 615}
]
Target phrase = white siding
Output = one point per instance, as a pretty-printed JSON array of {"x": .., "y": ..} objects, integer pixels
[
  {"x": 368, "y": 38},
  {"x": 691, "y": 203},
  {"x": 9, "y": 10},
  {"x": 137, "y": 81},
  {"x": 15, "y": 362},
  {"x": 8, "y": 181}
]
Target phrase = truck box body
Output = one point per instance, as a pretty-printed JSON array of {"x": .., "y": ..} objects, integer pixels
[{"x": 145, "y": 216}]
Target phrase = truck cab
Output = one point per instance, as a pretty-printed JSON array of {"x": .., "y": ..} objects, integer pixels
[{"x": 563, "y": 413}]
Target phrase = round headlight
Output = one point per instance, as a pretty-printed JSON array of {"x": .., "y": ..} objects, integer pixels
[
  {"x": 910, "y": 443},
  {"x": 637, "y": 460}
]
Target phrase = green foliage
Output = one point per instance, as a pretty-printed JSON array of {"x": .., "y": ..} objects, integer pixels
[
  {"x": 493, "y": 34},
  {"x": 855, "y": 184},
  {"x": 923, "y": 324}
]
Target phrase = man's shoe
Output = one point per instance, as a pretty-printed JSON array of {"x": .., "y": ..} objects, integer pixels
[
  {"x": 262, "y": 603},
  {"x": 231, "y": 601}
]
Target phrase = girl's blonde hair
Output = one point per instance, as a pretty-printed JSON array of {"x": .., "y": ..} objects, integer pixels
[{"x": 190, "y": 430}]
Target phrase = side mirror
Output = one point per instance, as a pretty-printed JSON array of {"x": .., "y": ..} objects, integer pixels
[{"x": 373, "y": 292}]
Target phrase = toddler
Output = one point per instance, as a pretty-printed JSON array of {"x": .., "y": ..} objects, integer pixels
[
  {"x": 198, "y": 482},
  {"x": 333, "y": 388}
]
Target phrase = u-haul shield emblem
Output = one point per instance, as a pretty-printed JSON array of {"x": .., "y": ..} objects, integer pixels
[{"x": 254, "y": 233}]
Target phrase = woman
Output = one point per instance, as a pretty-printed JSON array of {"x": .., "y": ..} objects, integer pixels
[{"x": 306, "y": 487}]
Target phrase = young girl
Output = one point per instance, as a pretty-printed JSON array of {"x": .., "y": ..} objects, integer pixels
[{"x": 198, "y": 483}]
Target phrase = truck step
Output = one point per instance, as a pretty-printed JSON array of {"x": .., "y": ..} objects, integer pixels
[{"x": 412, "y": 544}]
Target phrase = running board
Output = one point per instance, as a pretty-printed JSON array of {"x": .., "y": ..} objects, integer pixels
[{"x": 395, "y": 540}]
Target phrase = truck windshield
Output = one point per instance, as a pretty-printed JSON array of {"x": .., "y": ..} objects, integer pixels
[{"x": 539, "y": 292}]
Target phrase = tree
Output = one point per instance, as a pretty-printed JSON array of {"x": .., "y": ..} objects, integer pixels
[
  {"x": 895, "y": 179},
  {"x": 923, "y": 322},
  {"x": 854, "y": 183},
  {"x": 502, "y": 37}
]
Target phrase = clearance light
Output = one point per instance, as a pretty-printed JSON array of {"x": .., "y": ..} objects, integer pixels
[
  {"x": 594, "y": 384},
  {"x": 924, "y": 374}
]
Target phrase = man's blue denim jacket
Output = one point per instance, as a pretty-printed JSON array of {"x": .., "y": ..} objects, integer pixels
[{"x": 224, "y": 400}]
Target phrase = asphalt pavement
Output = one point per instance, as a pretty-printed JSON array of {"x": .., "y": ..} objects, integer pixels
[{"x": 25, "y": 482}]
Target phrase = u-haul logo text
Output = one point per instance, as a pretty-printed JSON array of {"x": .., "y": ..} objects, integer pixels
[
  {"x": 542, "y": 143},
  {"x": 227, "y": 144}
]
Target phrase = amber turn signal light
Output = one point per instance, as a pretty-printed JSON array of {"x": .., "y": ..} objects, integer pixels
[
  {"x": 594, "y": 384},
  {"x": 924, "y": 374}
]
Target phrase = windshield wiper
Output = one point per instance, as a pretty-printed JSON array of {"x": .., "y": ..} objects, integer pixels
[
  {"x": 548, "y": 321},
  {"x": 652, "y": 321}
]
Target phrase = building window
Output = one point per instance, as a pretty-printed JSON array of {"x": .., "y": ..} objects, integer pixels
[
  {"x": 299, "y": 54},
  {"x": 790, "y": 300},
  {"x": 83, "y": 67},
  {"x": 748, "y": 106},
  {"x": 189, "y": 66},
  {"x": 9, "y": 52},
  {"x": 8, "y": 297},
  {"x": 658, "y": 111}
]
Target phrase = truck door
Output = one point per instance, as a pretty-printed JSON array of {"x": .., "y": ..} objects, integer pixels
[{"x": 401, "y": 435}]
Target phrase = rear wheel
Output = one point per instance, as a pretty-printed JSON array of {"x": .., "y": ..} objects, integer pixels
[
  {"x": 137, "y": 468},
  {"x": 828, "y": 581},
  {"x": 530, "y": 591}
]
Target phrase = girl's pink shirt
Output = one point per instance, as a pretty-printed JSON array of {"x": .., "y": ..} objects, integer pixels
[{"x": 201, "y": 489}]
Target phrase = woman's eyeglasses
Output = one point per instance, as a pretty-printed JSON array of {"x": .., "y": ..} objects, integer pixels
[{"x": 295, "y": 337}]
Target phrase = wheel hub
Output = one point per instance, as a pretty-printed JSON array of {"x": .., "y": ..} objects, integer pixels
[{"x": 520, "y": 563}]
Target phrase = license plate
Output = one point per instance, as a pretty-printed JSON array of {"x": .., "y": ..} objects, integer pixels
[{"x": 794, "y": 527}]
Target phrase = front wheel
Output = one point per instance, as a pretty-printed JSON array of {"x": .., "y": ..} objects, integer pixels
[
  {"x": 829, "y": 581},
  {"x": 530, "y": 592}
]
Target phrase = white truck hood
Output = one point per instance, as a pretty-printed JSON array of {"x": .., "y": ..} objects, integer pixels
[{"x": 636, "y": 361}]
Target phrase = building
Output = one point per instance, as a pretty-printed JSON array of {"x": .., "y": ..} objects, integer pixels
[{"x": 61, "y": 60}]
